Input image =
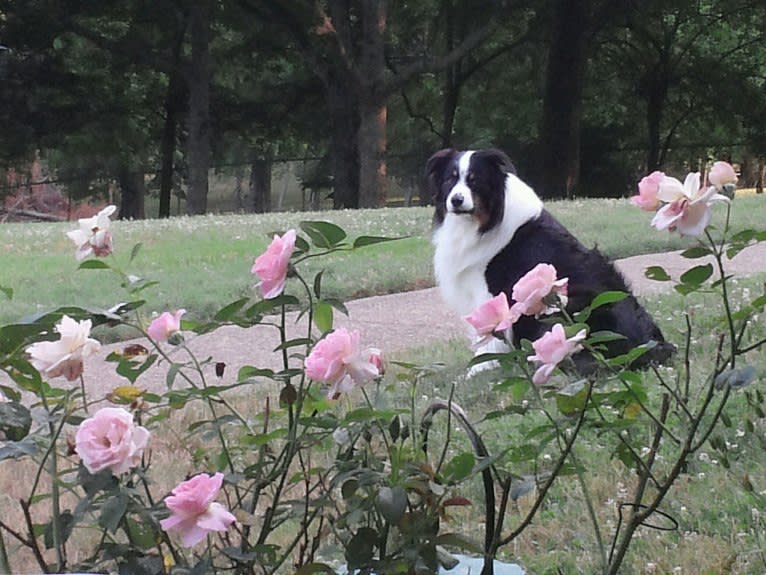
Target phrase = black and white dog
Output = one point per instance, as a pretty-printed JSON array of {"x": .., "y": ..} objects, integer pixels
[{"x": 490, "y": 228}]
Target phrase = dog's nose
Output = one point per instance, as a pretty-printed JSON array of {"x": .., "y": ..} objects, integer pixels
[{"x": 457, "y": 200}]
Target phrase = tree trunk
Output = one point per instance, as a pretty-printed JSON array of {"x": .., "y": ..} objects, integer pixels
[
  {"x": 372, "y": 155},
  {"x": 173, "y": 103},
  {"x": 344, "y": 112},
  {"x": 562, "y": 103},
  {"x": 657, "y": 88},
  {"x": 199, "y": 108},
  {"x": 132, "y": 193},
  {"x": 373, "y": 110},
  {"x": 260, "y": 184},
  {"x": 451, "y": 74}
]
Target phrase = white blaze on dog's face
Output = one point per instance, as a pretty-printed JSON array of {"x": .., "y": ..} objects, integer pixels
[{"x": 460, "y": 198}]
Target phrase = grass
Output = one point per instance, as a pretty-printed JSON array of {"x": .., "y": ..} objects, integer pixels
[{"x": 203, "y": 262}]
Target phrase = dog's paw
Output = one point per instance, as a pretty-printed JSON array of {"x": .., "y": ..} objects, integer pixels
[{"x": 478, "y": 368}]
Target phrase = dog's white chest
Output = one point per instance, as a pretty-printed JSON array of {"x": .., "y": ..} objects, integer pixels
[{"x": 459, "y": 266}]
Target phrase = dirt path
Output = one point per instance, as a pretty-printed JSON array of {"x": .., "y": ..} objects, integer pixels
[{"x": 393, "y": 323}]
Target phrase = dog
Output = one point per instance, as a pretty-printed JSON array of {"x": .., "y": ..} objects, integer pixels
[{"x": 490, "y": 228}]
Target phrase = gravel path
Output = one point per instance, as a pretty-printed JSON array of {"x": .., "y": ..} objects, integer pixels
[{"x": 393, "y": 323}]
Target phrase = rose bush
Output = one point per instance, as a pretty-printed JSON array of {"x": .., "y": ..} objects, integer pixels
[{"x": 277, "y": 487}]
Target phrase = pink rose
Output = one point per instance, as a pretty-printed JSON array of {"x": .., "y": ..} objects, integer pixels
[
  {"x": 721, "y": 174},
  {"x": 271, "y": 265},
  {"x": 534, "y": 288},
  {"x": 94, "y": 235},
  {"x": 492, "y": 316},
  {"x": 553, "y": 348},
  {"x": 193, "y": 513},
  {"x": 338, "y": 360},
  {"x": 165, "y": 325},
  {"x": 66, "y": 356},
  {"x": 647, "y": 192},
  {"x": 688, "y": 207},
  {"x": 110, "y": 440}
]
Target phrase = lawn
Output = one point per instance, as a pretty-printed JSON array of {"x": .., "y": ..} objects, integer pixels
[{"x": 202, "y": 262}]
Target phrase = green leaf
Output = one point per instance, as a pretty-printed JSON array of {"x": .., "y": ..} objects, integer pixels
[
  {"x": 7, "y": 291},
  {"x": 697, "y": 275},
  {"x": 657, "y": 273},
  {"x": 301, "y": 245},
  {"x": 736, "y": 378},
  {"x": 571, "y": 399},
  {"x": 460, "y": 542},
  {"x": 459, "y": 467},
  {"x": 293, "y": 343},
  {"x": 17, "y": 449},
  {"x": 65, "y": 525},
  {"x": 363, "y": 241},
  {"x": 360, "y": 548},
  {"x": 606, "y": 298},
  {"x": 238, "y": 555},
  {"x": 323, "y": 234},
  {"x": 112, "y": 512},
  {"x": 338, "y": 305},
  {"x": 248, "y": 372},
  {"x": 318, "y": 285},
  {"x": 391, "y": 502},
  {"x": 94, "y": 265},
  {"x": 134, "y": 251},
  {"x": 323, "y": 316},
  {"x": 141, "y": 534},
  {"x": 267, "y": 305},
  {"x": 15, "y": 421},
  {"x": 129, "y": 368},
  {"x": 311, "y": 568},
  {"x": 518, "y": 386},
  {"x": 228, "y": 312},
  {"x": 604, "y": 337},
  {"x": 696, "y": 252}
]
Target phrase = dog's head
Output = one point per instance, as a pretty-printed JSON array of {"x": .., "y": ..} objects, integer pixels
[{"x": 469, "y": 184}]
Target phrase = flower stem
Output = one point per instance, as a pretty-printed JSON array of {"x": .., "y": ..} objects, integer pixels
[{"x": 5, "y": 566}]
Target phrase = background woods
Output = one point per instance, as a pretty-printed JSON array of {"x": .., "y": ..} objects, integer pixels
[{"x": 149, "y": 104}]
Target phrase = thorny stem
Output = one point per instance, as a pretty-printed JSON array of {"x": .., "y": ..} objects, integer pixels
[
  {"x": 554, "y": 474},
  {"x": 51, "y": 455},
  {"x": 639, "y": 517},
  {"x": 5, "y": 566},
  {"x": 752, "y": 347},
  {"x": 445, "y": 448},
  {"x": 658, "y": 422},
  {"x": 687, "y": 359},
  {"x": 718, "y": 254},
  {"x": 32, "y": 539},
  {"x": 591, "y": 508},
  {"x": 84, "y": 397},
  {"x": 679, "y": 400}
]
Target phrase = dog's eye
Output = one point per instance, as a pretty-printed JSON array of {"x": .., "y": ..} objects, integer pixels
[
  {"x": 453, "y": 174},
  {"x": 471, "y": 177}
]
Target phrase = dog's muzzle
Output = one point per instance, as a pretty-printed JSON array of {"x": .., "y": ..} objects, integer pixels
[{"x": 459, "y": 202}]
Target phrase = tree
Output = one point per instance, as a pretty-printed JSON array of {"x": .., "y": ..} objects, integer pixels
[
  {"x": 345, "y": 46},
  {"x": 198, "y": 81},
  {"x": 562, "y": 101}
]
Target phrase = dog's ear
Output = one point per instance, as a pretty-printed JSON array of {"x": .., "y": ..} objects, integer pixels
[
  {"x": 499, "y": 158},
  {"x": 436, "y": 165}
]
